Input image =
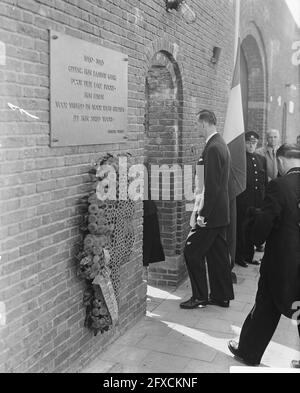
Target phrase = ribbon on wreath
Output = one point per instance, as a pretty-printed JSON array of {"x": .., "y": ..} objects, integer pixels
[{"x": 103, "y": 280}]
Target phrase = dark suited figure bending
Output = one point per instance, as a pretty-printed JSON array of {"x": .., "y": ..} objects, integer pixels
[
  {"x": 253, "y": 196},
  {"x": 207, "y": 241},
  {"x": 278, "y": 223},
  {"x": 152, "y": 247}
]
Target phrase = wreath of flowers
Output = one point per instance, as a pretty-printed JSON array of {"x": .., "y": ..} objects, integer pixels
[{"x": 99, "y": 298}]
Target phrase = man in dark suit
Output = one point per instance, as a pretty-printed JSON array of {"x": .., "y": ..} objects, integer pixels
[
  {"x": 253, "y": 196},
  {"x": 207, "y": 241},
  {"x": 278, "y": 223}
]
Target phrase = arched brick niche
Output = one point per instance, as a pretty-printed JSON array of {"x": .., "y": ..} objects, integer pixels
[
  {"x": 163, "y": 146},
  {"x": 254, "y": 79}
]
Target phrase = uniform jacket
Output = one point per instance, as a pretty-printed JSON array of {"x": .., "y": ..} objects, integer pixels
[
  {"x": 217, "y": 162},
  {"x": 257, "y": 181},
  {"x": 278, "y": 223}
]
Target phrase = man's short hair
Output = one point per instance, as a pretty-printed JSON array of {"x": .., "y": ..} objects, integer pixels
[
  {"x": 207, "y": 116},
  {"x": 269, "y": 132},
  {"x": 289, "y": 151}
]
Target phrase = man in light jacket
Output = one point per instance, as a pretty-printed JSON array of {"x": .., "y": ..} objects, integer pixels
[{"x": 269, "y": 152}]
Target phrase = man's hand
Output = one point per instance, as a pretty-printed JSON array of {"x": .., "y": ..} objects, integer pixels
[{"x": 201, "y": 222}]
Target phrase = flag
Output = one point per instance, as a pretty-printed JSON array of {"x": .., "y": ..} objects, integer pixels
[
  {"x": 234, "y": 135},
  {"x": 234, "y": 132}
]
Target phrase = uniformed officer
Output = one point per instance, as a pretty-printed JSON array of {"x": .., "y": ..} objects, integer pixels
[{"x": 257, "y": 180}]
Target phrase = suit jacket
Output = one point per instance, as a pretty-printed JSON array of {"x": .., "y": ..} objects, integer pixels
[
  {"x": 217, "y": 162},
  {"x": 257, "y": 181},
  {"x": 272, "y": 167},
  {"x": 278, "y": 223}
]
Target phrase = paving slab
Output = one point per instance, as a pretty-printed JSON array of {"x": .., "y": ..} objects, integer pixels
[
  {"x": 171, "y": 340},
  {"x": 190, "y": 350}
]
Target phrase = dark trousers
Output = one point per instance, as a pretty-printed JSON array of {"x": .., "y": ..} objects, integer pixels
[
  {"x": 210, "y": 245},
  {"x": 245, "y": 248},
  {"x": 231, "y": 232},
  {"x": 260, "y": 325}
]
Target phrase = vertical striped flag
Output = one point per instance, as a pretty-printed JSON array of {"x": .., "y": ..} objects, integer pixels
[
  {"x": 234, "y": 131},
  {"x": 234, "y": 136}
]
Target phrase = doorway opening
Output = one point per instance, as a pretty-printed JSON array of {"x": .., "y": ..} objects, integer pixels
[
  {"x": 163, "y": 147},
  {"x": 254, "y": 86}
]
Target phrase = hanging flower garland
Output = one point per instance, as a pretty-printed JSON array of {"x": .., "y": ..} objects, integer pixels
[{"x": 99, "y": 298}]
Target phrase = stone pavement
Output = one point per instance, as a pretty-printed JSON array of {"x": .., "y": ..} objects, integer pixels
[{"x": 171, "y": 340}]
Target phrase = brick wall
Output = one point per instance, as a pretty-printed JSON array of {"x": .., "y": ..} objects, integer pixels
[
  {"x": 42, "y": 187},
  {"x": 268, "y": 32},
  {"x": 162, "y": 146}
]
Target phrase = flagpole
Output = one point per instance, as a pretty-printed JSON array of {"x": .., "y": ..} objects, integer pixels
[{"x": 237, "y": 27}]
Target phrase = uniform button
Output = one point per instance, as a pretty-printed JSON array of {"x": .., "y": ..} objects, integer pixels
[
  {"x": 256, "y": 173},
  {"x": 255, "y": 165},
  {"x": 256, "y": 188},
  {"x": 256, "y": 179}
]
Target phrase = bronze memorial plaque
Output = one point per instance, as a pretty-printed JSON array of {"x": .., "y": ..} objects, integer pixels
[{"x": 89, "y": 93}]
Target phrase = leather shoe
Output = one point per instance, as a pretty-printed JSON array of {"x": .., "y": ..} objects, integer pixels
[
  {"x": 295, "y": 364},
  {"x": 220, "y": 303},
  {"x": 192, "y": 304},
  {"x": 233, "y": 347},
  {"x": 242, "y": 263},
  {"x": 255, "y": 263},
  {"x": 260, "y": 248}
]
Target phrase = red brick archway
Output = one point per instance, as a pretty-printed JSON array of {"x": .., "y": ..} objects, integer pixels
[
  {"x": 163, "y": 146},
  {"x": 254, "y": 79}
]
